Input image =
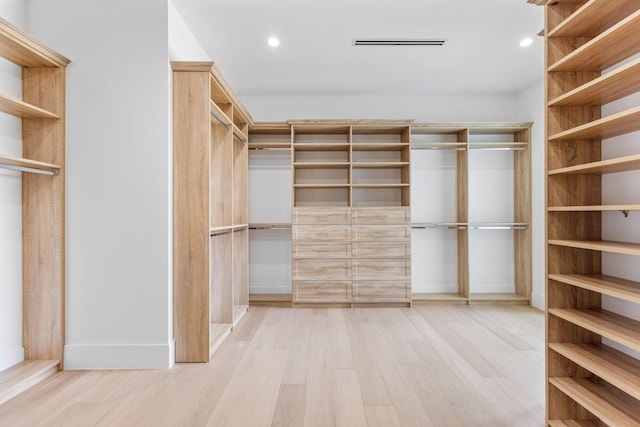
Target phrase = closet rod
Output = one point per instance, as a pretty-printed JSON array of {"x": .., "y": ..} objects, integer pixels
[
  {"x": 499, "y": 148},
  {"x": 498, "y": 227},
  {"x": 240, "y": 137},
  {"x": 439, "y": 227},
  {"x": 439, "y": 148},
  {"x": 219, "y": 119},
  {"x": 220, "y": 233},
  {"x": 271, "y": 148},
  {"x": 26, "y": 169},
  {"x": 270, "y": 228}
]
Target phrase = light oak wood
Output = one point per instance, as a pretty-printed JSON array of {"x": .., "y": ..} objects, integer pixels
[
  {"x": 284, "y": 367},
  {"x": 381, "y": 269},
  {"x": 20, "y": 377},
  {"x": 606, "y": 127},
  {"x": 594, "y": 208},
  {"x": 620, "y": 164},
  {"x": 382, "y": 215},
  {"x": 604, "y": 246},
  {"x": 387, "y": 232},
  {"x": 321, "y": 215},
  {"x": 594, "y": 17},
  {"x": 381, "y": 291},
  {"x": 627, "y": 290},
  {"x": 610, "y": 47},
  {"x": 381, "y": 250},
  {"x": 303, "y": 249},
  {"x": 32, "y": 164},
  {"x": 22, "y": 109},
  {"x": 340, "y": 233},
  {"x": 322, "y": 290},
  {"x": 321, "y": 269},
  {"x": 24, "y": 50},
  {"x": 599, "y": 401}
]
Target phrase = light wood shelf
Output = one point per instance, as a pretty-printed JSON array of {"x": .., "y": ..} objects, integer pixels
[
  {"x": 617, "y": 84},
  {"x": 620, "y": 164},
  {"x": 30, "y": 164},
  {"x": 594, "y": 208},
  {"x": 22, "y": 109},
  {"x": 498, "y": 145},
  {"x": 607, "y": 127},
  {"x": 594, "y": 17},
  {"x": 620, "y": 329},
  {"x": 219, "y": 116},
  {"x": 326, "y": 146},
  {"x": 597, "y": 399},
  {"x": 378, "y": 165},
  {"x": 574, "y": 423},
  {"x": 390, "y": 185},
  {"x": 269, "y": 145},
  {"x": 321, "y": 165},
  {"x": 612, "y": 46},
  {"x": 239, "y": 134},
  {"x": 321, "y": 186},
  {"x": 24, "y": 50},
  {"x": 616, "y": 368},
  {"x": 627, "y": 290},
  {"x": 438, "y": 145},
  {"x": 379, "y": 146},
  {"x": 600, "y": 245}
]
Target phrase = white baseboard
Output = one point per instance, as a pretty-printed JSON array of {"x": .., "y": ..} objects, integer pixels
[
  {"x": 11, "y": 357},
  {"x": 537, "y": 300},
  {"x": 148, "y": 356}
]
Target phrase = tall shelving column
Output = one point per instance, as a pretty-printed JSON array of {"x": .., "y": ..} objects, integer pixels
[
  {"x": 42, "y": 110},
  {"x": 593, "y": 373},
  {"x": 210, "y": 210}
]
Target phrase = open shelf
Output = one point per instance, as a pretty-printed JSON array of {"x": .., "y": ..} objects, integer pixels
[
  {"x": 606, "y": 127},
  {"x": 610, "y": 408},
  {"x": 269, "y": 226},
  {"x": 300, "y": 186},
  {"x": 593, "y": 18},
  {"x": 627, "y": 290},
  {"x": 26, "y": 51},
  {"x": 619, "y": 83},
  {"x": 219, "y": 116},
  {"x": 607, "y": 49},
  {"x": 600, "y": 245},
  {"x": 611, "y": 365},
  {"x": 460, "y": 146},
  {"x": 323, "y": 146},
  {"x": 620, "y": 329},
  {"x": 321, "y": 165},
  {"x": 497, "y": 226},
  {"x": 238, "y": 134},
  {"x": 620, "y": 164},
  {"x": 440, "y": 225},
  {"x": 29, "y": 165},
  {"x": 269, "y": 145},
  {"x": 498, "y": 145},
  {"x": 23, "y": 109},
  {"x": 595, "y": 208},
  {"x": 379, "y": 146},
  {"x": 378, "y": 165},
  {"x": 390, "y": 185}
]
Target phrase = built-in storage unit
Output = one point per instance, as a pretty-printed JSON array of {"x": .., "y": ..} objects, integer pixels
[
  {"x": 351, "y": 211},
  {"x": 471, "y": 190},
  {"x": 210, "y": 228},
  {"x": 42, "y": 110},
  {"x": 592, "y": 165}
]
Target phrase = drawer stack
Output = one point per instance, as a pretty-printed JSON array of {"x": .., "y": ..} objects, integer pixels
[
  {"x": 381, "y": 251},
  {"x": 321, "y": 251}
]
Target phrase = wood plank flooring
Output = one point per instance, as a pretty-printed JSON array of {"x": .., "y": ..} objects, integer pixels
[{"x": 430, "y": 365}]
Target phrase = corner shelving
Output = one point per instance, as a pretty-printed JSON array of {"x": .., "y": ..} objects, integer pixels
[
  {"x": 42, "y": 111},
  {"x": 210, "y": 210},
  {"x": 592, "y": 374}
]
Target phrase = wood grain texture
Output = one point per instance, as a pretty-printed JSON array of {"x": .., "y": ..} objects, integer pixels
[
  {"x": 24, "y": 50},
  {"x": 594, "y": 17}
]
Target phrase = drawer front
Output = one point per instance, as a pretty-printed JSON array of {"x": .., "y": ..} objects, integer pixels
[
  {"x": 321, "y": 250},
  {"x": 391, "y": 215},
  {"x": 321, "y": 215},
  {"x": 321, "y": 269},
  {"x": 381, "y": 269},
  {"x": 377, "y": 233},
  {"x": 322, "y": 291},
  {"x": 321, "y": 233},
  {"x": 381, "y": 250},
  {"x": 382, "y": 291}
]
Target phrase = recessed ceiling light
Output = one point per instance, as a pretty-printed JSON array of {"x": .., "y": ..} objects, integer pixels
[
  {"x": 273, "y": 41},
  {"x": 526, "y": 42}
]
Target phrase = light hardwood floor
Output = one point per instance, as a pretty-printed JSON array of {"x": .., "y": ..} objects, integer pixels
[{"x": 430, "y": 365}]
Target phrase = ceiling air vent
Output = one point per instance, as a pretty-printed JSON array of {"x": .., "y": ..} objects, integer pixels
[{"x": 398, "y": 42}]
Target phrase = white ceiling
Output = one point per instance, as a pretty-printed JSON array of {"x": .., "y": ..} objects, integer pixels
[{"x": 316, "y": 56}]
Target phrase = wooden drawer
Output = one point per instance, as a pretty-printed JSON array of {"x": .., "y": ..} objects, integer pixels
[
  {"x": 321, "y": 269},
  {"x": 381, "y": 291},
  {"x": 321, "y": 233},
  {"x": 322, "y": 291},
  {"x": 321, "y": 250},
  {"x": 381, "y": 269},
  {"x": 377, "y": 233},
  {"x": 391, "y": 215},
  {"x": 381, "y": 250},
  {"x": 321, "y": 215}
]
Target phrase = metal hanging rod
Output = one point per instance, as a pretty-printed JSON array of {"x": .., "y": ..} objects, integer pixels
[
  {"x": 498, "y": 227},
  {"x": 219, "y": 119},
  {"x": 499, "y": 148},
  {"x": 439, "y": 148},
  {"x": 220, "y": 233},
  {"x": 439, "y": 227},
  {"x": 31, "y": 170}
]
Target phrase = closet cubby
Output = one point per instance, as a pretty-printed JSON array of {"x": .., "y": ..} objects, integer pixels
[
  {"x": 593, "y": 77},
  {"x": 42, "y": 111},
  {"x": 210, "y": 229}
]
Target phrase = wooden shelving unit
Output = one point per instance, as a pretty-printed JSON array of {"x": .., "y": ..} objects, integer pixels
[
  {"x": 210, "y": 210},
  {"x": 460, "y": 140},
  {"x": 590, "y": 47},
  {"x": 42, "y": 110}
]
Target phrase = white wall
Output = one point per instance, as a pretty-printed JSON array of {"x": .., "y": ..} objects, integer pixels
[
  {"x": 118, "y": 200},
  {"x": 530, "y": 107},
  {"x": 11, "y": 350}
]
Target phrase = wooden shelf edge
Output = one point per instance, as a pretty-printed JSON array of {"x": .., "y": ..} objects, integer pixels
[
  {"x": 18, "y": 108},
  {"x": 616, "y": 368},
  {"x": 26, "y": 374},
  {"x": 29, "y": 165},
  {"x": 607, "y": 285},
  {"x": 620, "y": 329},
  {"x": 218, "y": 116},
  {"x": 592, "y": 18},
  {"x": 269, "y": 145},
  {"x": 607, "y": 127},
  {"x": 619, "y": 164},
  {"x": 269, "y": 225},
  {"x": 597, "y": 400},
  {"x": 600, "y": 245},
  {"x": 238, "y": 134},
  {"x": 594, "y": 208},
  {"x": 14, "y": 43}
]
